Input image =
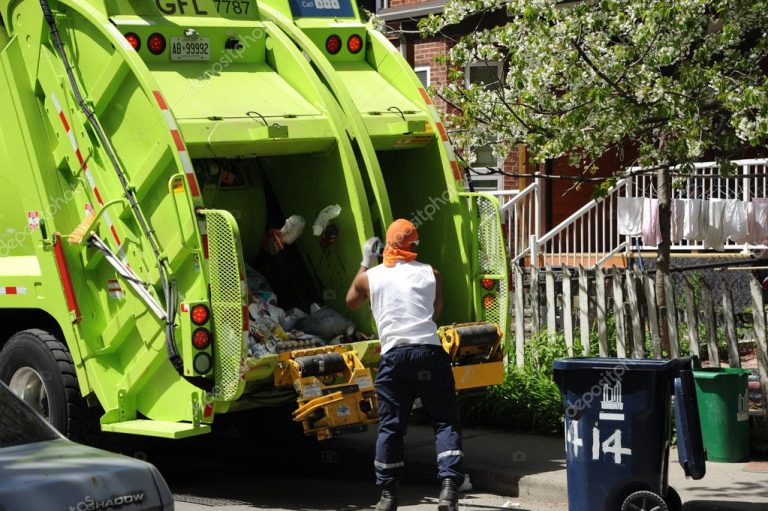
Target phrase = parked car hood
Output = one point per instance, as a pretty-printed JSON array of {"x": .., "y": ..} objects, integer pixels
[{"x": 60, "y": 474}]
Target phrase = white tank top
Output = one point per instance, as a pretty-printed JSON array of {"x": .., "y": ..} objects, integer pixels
[{"x": 403, "y": 303}]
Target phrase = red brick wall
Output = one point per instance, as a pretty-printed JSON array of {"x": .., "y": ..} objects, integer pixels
[{"x": 424, "y": 53}]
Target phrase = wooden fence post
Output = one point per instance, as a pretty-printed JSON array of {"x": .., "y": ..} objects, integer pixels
[
  {"x": 731, "y": 341},
  {"x": 758, "y": 311},
  {"x": 638, "y": 335},
  {"x": 674, "y": 341},
  {"x": 602, "y": 314},
  {"x": 549, "y": 281},
  {"x": 567, "y": 311},
  {"x": 691, "y": 319},
  {"x": 535, "y": 311},
  {"x": 653, "y": 317},
  {"x": 519, "y": 317},
  {"x": 584, "y": 309},
  {"x": 711, "y": 323},
  {"x": 618, "y": 311}
]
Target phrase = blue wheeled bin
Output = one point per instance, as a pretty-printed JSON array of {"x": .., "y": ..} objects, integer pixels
[{"x": 618, "y": 431}]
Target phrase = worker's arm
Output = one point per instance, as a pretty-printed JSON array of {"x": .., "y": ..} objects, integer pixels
[
  {"x": 438, "y": 295},
  {"x": 359, "y": 291}
]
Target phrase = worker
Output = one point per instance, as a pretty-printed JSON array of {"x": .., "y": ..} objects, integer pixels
[{"x": 405, "y": 301}]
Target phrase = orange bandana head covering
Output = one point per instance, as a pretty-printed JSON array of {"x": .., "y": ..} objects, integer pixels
[{"x": 400, "y": 235}]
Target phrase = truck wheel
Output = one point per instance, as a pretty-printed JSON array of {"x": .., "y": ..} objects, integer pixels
[
  {"x": 644, "y": 501},
  {"x": 38, "y": 368}
]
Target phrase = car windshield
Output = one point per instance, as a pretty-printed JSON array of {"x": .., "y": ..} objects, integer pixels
[{"x": 18, "y": 423}]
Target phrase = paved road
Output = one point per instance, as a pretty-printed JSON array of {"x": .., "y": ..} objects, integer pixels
[
  {"x": 226, "y": 473},
  {"x": 232, "y": 492}
]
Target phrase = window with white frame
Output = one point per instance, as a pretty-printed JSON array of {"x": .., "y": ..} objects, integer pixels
[
  {"x": 423, "y": 73},
  {"x": 487, "y": 183},
  {"x": 487, "y": 73}
]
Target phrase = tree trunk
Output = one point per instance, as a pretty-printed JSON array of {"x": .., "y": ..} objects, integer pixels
[{"x": 664, "y": 195}]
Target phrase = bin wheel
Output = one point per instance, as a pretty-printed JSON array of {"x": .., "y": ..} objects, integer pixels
[
  {"x": 674, "y": 502},
  {"x": 644, "y": 501}
]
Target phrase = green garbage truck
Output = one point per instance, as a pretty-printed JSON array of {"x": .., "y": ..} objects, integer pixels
[{"x": 151, "y": 150}]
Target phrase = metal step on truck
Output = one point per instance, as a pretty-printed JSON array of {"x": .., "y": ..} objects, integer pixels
[{"x": 151, "y": 151}]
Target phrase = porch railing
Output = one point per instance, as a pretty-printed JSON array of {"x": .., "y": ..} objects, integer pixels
[{"x": 589, "y": 237}]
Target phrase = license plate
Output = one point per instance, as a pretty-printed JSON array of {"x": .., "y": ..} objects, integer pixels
[{"x": 190, "y": 48}]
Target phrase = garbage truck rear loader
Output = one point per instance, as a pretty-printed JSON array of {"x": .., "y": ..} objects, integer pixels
[
  {"x": 410, "y": 168},
  {"x": 150, "y": 150}
]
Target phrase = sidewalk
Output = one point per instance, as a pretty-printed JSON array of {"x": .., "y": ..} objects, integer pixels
[{"x": 533, "y": 467}]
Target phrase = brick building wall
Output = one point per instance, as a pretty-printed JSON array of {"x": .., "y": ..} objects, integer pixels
[{"x": 423, "y": 53}]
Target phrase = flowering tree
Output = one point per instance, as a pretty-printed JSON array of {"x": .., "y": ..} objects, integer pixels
[{"x": 674, "y": 81}]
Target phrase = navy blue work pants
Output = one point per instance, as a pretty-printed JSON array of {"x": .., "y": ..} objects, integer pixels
[{"x": 405, "y": 373}]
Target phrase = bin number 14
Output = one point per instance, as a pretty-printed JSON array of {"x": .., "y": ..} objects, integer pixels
[{"x": 611, "y": 445}]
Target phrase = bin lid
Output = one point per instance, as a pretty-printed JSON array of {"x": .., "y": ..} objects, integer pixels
[
  {"x": 709, "y": 373},
  {"x": 609, "y": 363}
]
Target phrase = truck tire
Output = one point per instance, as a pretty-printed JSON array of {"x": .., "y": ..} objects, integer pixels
[{"x": 38, "y": 368}]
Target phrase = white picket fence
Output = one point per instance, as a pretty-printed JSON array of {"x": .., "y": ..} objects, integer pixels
[{"x": 571, "y": 301}]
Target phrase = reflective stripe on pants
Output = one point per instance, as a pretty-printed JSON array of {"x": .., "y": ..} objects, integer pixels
[{"x": 406, "y": 373}]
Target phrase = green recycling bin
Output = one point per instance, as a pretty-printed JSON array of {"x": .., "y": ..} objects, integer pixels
[{"x": 724, "y": 411}]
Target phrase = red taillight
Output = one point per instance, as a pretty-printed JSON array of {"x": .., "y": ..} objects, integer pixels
[
  {"x": 156, "y": 43},
  {"x": 333, "y": 44},
  {"x": 200, "y": 314},
  {"x": 488, "y": 283},
  {"x": 355, "y": 44},
  {"x": 489, "y": 301},
  {"x": 201, "y": 338},
  {"x": 133, "y": 40}
]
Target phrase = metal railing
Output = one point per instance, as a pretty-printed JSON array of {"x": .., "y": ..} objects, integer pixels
[
  {"x": 749, "y": 181},
  {"x": 587, "y": 238},
  {"x": 520, "y": 219},
  {"x": 590, "y": 236}
]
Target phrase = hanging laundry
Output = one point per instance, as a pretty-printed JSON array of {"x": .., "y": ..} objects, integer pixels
[
  {"x": 677, "y": 229},
  {"x": 695, "y": 219},
  {"x": 715, "y": 236},
  {"x": 735, "y": 220},
  {"x": 650, "y": 230},
  {"x": 629, "y": 212},
  {"x": 757, "y": 222}
]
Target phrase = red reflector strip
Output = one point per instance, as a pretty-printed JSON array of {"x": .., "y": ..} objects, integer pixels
[
  {"x": 13, "y": 290},
  {"x": 160, "y": 100},
  {"x": 89, "y": 177},
  {"x": 177, "y": 139},
  {"x": 246, "y": 319},
  {"x": 80, "y": 158},
  {"x": 443, "y": 134},
  {"x": 193, "y": 189},
  {"x": 186, "y": 162},
  {"x": 456, "y": 170},
  {"x": 66, "y": 279},
  {"x": 208, "y": 410},
  {"x": 64, "y": 121},
  {"x": 114, "y": 234},
  {"x": 425, "y": 96},
  {"x": 204, "y": 239}
]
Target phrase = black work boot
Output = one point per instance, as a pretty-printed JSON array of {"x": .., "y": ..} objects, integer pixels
[
  {"x": 388, "y": 500},
  {"x": 449, "y": 495}
]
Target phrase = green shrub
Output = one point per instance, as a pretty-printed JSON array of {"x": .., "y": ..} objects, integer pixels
[{"x": 528, "y": 400}]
